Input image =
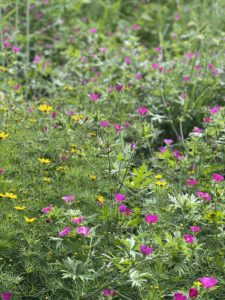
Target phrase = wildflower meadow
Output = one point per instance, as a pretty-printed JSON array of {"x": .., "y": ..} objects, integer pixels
[{"x": 112, "y": 149}]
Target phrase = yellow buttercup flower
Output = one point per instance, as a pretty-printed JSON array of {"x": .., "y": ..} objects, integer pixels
[
  {"x": 44, "y": 160},
  {"x": 29, "y": 220},
  {"x": 197, "y": 283},
  {"x": 47, "y": 179},
  {"x": 158, "y": 176},
  {"x": 93, "y": 177},
  {"x": 3, "y": 135},
  {"x": 92, "y": 134},
  {"x": 77, "y": 118},
  {"x": 8, "y": 195},
  {"x": 45, "y": 107},
  {"x": 20, "y": 208},
  {"x": 161, "y": 183},
  {"x": 100, "y": 199}
]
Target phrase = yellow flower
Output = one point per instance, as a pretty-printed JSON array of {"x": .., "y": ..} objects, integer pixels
[
  {"x": 8, "y": 195},
  {"x": 91, "y": 134},
  {"x": 158, "y": 176},
  {"x": 32, "y": 120},
  {"x": 93, "y": 177},
  {"x": 45, "y": 107},
  {"x": 100, "y": 199},
  {"x": 29, "y": 220},
  {"x": 77, "y": 118},
  {"x": 2, "y": 69},
  {"x": 47, "y": 179},
  {"x": 3, "y": 135},
  {"x": 161, "y": 183},
  {"x": 20, "y": 208},
  {"x": 44, "y": 160},
  {"x": 68, "y": 88},
  {"x": 197, "y": 283}
]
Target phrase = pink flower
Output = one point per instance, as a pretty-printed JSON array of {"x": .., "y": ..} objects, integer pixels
[
  {"x": 151, "y": 219},
  {"x": 193, "y": 293},
  {"x": 197, "y": 67},
  {"x": 179, "y": 296},
  {"x": 138, "y": 76},
  {"x": 127, "y": 60},
  {"x": 104, "y": 123},
  {"x": 77, "y": 220},
  {"x": 6, "y": 296},
  {"x": 107, "y": 292},
  {"x": 16, "y": 49},
  {"x": 186, "y": 78},
  {"x": 92, "y": 30},
  {"x": 195, "y": 228},
  {"x": 189, "y": 238},
  {"x": 119, "y": 197},
  {"x": 127, "y": 124},
  {"x": 37, "y": 59},
  {"x": 69, "y": 113},
  {"x": 168, "y": 141},
  {"x": 136, "y": 27},
  {"x": 204, "y": 196},
  {"x": 217, "y": 177},
  {"x": 94, "y": 96},
  {"x": 191, "y": 181},
  {"x": 176, "y": 153},
  {"x": 103, "y": 49},
  {"x": 214, "y": 110},
  {"x": 177, "y": 17},
  {"x": 189, "y": 55},
  {"x": 83, "y": 230},
  {"x": 142, "y": 110},
  {"x": 65, "y": 232},
  {"x": 2, "y": 171},
  {"x": 47, "y": 209},
  {"x": 162, "y": 149},
  {"x": 208, "y": 282},
  {"x": 158, "y": 49},
  {"x": 118, "y": 127},
  {"x": 155, "y": 66},
  {"x": 68, "y": 198},
  {"x": 145, "y": 250},
  {"x": 6, "y": 44},
  {"x": 207, "y": 120},
  {"x": 123, "y": 209},
  {"x": 197, "y": 130}
]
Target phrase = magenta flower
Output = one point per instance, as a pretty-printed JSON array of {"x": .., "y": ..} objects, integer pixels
[
  {"x": 123, "y": 209},
  {"x": 179, "y": 296},
  {"x": 197, "y": 67},
  {"x": 119, "y": 197},
  {"x": 217, "y": 177},
  {"x": 65, "y": 232},
  {"x": 168, "y": 141},
  {"x": 37, "y": 59},
  {"x": 69, "y": 113},
  {"x": 94, "y": 96},
  {"x": 208, "y": 282},
  {"x": 77, "y": 220},
  {"x": 191, "y": 182},
  {"x": 197, "y": 130},
  {"x": 127, "y": 124},
  {"x": 189, "y": 238},
  {"x": 16, "y": 49},
  {"x": 145, "y": 250},
  {"x": 189, "y": 55},
  {"x": 207, "y": 120},
  {"x": 47, "y": 209},
  {"x": 162, "y": 149},
  {"x": 6, "y": 44},
  {"x": 127, "y": 60},
  {"x": 151, "y": 219},
  {"x": 104, "y": 123},
  {"x": 118, "y": 127},
  {"x": 193, "y": 293},
  {"x": 176, "y": 153},
  {"x": 2, "y": 171},
  {"x": 136, "y": 27},
  {"x": 195, "y": 228},
  {"x": 204, "y": 196},
  {"x": 138, "y": 76},
  {"x": 107, "y": 292},
  {"x": 186, "y": 78},
  {"x": 92, "y": 30},
  {"x": 83, "y": 230},
  {"x": 6, "y": 296},
  {"x": 214, "y": 110},
  {"x": 142, "y": 110},
  {"x": 155, "y": 66},
  {"x": 68, "y": 198}
]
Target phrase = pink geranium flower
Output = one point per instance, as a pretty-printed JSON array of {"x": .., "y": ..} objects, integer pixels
[
  {"x": 77, "y": 220},
  {"x": 179, "y": 296},
  {"x": 124, "y": 209},
  {"x": 151, "y": 219},
  {"x": 142, "y": 110},
  {"x": 195, "y": 228},
  {"x": 119, "y": 197},
  {"x": 145, "y": 250},
  {"x": 118, "y": 127},
  {"x": 2, "y": 171},
  {"x": 47, "y": 209},
  {"x": 68, "y": 198},
  {"x": 127, "y": 60},
  {"x": 204, "y": 196},
  {"x": 189, "y": 238},
  {"x": 168, "y": 141},
  {"x": 197, "y": 130},
  {"x": 65, "y": 232},
  {"x": 208, "y": 282},
  {"x": 94, "y": 96},
  {"x": 6, "y": 296},
  {"x": 16, "y": 49},
  {"x": 191, "y": 182},
  {"x": 193, "y": 293},
  {"x": 136, "y": 27},
  {"x": 6, "y": 44},
  {"x": 214, "y": 110},
  {"x": 104, "y": 123},
  {"x": 83, "y": 230},
  {"x": 217, "y": 177},
  {"x": 92, "y": 30},
  {"x": 107, "y": 292}
]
